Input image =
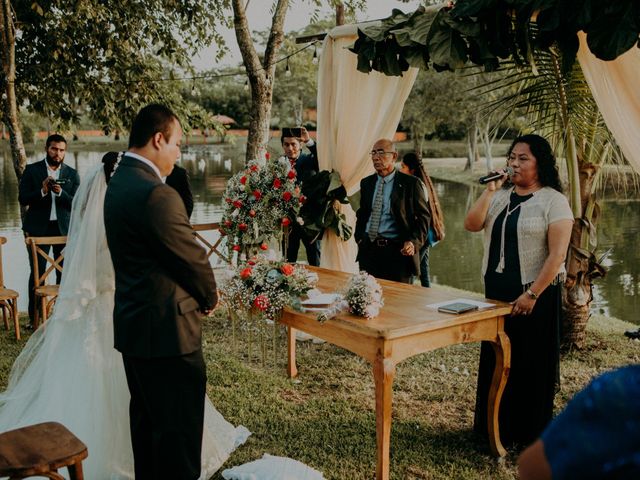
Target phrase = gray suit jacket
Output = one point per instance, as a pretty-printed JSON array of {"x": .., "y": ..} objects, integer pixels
[{"x": 162, "y": 274}]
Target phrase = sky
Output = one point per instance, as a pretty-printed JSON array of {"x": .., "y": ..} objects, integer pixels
[{"x": 297, "y": 18}]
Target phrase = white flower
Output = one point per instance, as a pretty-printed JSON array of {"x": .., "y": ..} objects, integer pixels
[{"x": 300, "y": 220}]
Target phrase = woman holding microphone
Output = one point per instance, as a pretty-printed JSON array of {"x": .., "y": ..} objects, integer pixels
[{"x": 527, "y": 226}]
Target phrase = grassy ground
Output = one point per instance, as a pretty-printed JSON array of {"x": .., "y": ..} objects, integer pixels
[{"x": 326, "y": 419}]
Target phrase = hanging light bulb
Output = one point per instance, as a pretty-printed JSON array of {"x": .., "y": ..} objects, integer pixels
[
  {"x": 314, "y": 59},
  {"x": 287, "y": 72}
]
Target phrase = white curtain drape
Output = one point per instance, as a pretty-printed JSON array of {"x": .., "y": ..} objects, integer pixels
[
  {"x": 615, "y": 87},
  {"x": 354, "y": 110}
]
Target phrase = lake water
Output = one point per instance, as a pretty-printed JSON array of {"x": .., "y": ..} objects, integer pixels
[{"x": 455, "y": 261}]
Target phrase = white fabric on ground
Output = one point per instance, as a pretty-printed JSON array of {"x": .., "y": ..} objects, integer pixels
[{"x": 270, "y": 467}]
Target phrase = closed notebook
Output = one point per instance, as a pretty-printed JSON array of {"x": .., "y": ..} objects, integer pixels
[{"x": 457, "y": 307}]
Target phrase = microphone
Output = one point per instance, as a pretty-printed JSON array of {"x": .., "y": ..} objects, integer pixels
[{"x": 495, "y": 175}]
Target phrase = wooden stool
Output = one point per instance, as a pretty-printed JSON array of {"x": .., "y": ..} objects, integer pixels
[{"x": 40, "y": 450}]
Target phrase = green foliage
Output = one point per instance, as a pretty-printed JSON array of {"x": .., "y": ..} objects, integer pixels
[
  {"x": 108, "y": 57},
  {"x": 485, "y": 32}
]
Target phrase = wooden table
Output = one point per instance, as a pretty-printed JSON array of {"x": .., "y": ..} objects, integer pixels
[{"x": 404, "y": 328}]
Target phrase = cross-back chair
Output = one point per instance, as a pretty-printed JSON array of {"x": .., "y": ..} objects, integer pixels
[
  {"x": 211, "y": 248},
  {"x": 45, "y": 295},
  {"x": 8, "y": 299}
]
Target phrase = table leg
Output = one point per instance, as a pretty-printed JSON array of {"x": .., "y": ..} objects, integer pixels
[
  {"x": 502, "y": 349},
  {"x": 384, "y": 371},
  {"x": 292, "y": 369}
]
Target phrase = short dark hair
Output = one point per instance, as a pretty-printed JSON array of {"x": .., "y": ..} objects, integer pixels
[
  {"x": 150, "y": 120},
  {"x": 541, "y": 149},
  {"x": 55, "y": 137}
]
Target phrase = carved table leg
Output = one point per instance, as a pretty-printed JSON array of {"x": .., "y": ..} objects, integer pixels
[
  {"x": 292, "y": 369},
  {"x": 384, "y": 371},
  {"x": 502, "y": 350}
]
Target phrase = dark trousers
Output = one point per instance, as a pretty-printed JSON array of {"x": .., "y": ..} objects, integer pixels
[
  {"x": 424, "y": 266},
  {"x": 52, "y": 231},
  {"x": 382, "y": 259},
  {"x": 296, "y": 235},
  {"x": 166, "y": 415}
]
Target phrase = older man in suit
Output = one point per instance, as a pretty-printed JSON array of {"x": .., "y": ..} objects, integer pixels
[
  {"x": 393, "y": 219},
  {"x": 163, "y": 284},
  {"x": 47, "y": 189},
  {"x": 306, "y": 166}
]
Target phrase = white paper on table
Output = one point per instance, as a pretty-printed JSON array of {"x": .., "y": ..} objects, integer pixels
[
  {"x": 323, "y": 299},
  {"x": 477, "y": 303}
]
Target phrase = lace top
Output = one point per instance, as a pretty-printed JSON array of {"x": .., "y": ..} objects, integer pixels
[{"x": 536, "y": 214}]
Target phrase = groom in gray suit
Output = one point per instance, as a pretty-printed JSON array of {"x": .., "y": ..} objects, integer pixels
[{"x": 164, "y": 283}]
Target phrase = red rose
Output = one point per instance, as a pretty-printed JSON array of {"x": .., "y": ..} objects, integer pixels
[
  {"x": 252, "y": 213},
  {"x": 286, "y": 222},
  {"x": 302, "y": 199},
  {"x": 287, "y": 269},
  {"x": 286, "y": 196},
  {"x": 263, "y": 246},
  {"x": 292, "y": 174},
  {"x": 228, "y": 200},
  {"x": 251, "y": 262},
  {"x": 261, "y": 302},
  {"x": 257, "y": 194},
  {"x": 253, "y": 168},
  {"x": 237, "y": 203},
  {"x": 277, "y": 183},
  {"x": 243, "y": 180},
  {"x": 242, "y": 227},
  {"x": 227, "y": 223},
  {"x": 246, "y": 273},
  {"x": 267, "y": 155},
  {"x": 236, "y": 248}
]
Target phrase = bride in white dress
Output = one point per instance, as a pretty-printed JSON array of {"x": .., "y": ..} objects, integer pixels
[{"x": 69, "y": 371}]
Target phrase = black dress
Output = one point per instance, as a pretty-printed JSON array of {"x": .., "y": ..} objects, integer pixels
[{"x": 527, "y": 403}]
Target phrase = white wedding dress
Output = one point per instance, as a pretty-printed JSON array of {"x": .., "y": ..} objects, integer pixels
[{"x": 69, "y": 371}]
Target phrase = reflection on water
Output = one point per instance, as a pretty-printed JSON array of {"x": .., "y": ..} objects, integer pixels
[{"x": 455, "y": 261}]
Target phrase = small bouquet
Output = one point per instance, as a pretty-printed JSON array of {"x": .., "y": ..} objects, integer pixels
[
  {"x": 363, "y": 297},
  {"x": 267, "y": 286}
]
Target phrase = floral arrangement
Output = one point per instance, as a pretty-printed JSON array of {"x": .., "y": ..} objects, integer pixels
[
  {"x": 363, "y": 297},
  {"x": 259, "y": 202},
  {"x": 267, "y": 286}
]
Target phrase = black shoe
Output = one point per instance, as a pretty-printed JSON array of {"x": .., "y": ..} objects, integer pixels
[
  {"x": 632, "y": 334},
  {"x": 29, "y": 327}
]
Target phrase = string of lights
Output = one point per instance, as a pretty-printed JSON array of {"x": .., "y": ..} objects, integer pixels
[{"x": 242, "y": 71}]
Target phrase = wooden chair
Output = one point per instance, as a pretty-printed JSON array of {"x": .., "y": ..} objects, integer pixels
[
  {"x": 40, "y": 450},
  {"x": 210, "y": 247},
  {"x": 8, "y": 299},
  {"x": 45, "y": 295}
]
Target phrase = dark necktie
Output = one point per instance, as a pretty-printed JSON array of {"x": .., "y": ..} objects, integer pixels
[{"x": 376, "y": 211}]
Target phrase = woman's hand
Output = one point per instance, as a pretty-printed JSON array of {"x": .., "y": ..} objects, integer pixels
[{"x": 523, "y": 305}]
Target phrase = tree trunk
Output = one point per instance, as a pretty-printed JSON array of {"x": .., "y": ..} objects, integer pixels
[
  {"x": 261, "y": 73},
  {"x": 582, "y": 266},
  {"x": 340, "y": 14},
  {"x": 10, "y": 116},
  {"x": 418, "y": 141}
]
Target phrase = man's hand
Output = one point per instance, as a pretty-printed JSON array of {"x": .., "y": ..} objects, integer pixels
[
  {"x": 208, "y": 311},
  {"x": 408, "y": 249},
  {"x": 304, "y": 135},
  {"x": 45, "y": 185},
  {"x": 56, "y": 188}
]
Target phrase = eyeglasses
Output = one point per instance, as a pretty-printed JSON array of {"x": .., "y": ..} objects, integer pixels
[{"x": 379, "y": 153}]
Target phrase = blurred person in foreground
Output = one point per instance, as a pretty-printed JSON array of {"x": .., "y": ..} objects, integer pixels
[
  {"x": 527, "y": 226},
  {"x": 597, "y": 435},
  {"x": 412, "y": 165}
]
